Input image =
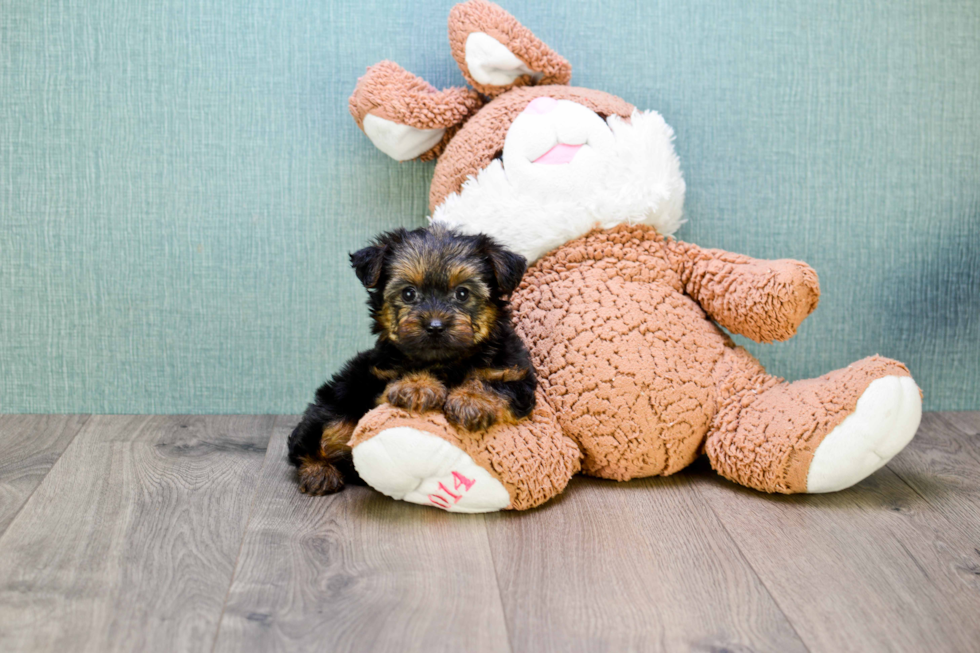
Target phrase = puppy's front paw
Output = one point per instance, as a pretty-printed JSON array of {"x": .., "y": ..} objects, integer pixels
[
  {"x": 318, "y": 478},
  {"x": 473, "y": 409},
  {"x": 417, "y": 393}
]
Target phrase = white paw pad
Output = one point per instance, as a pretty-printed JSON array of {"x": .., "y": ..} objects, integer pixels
[
  {"x": 412, "y": 465},
  {"x": 885, "y": 419}
]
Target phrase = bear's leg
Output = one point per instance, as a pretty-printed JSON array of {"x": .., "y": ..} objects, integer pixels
[
  {"x": 423, "y": 459},
  {"x": 817, "y": 435}
]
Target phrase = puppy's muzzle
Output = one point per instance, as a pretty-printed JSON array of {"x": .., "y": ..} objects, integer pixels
[{"x": 435, "y": 326}]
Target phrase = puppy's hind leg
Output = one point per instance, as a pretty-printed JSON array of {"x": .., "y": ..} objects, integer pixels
[{"x": 318, "y": 447}]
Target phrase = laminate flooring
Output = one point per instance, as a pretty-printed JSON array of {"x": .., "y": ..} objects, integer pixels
[{"x": 187, "y": 533}]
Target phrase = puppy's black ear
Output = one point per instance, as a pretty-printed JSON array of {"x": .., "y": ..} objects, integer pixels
[
  {"x": 508, "y": 267},
  {"x": 368, "y": 263}
]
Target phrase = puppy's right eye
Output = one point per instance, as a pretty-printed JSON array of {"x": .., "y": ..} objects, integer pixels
[{"x": 409, "y": 295}]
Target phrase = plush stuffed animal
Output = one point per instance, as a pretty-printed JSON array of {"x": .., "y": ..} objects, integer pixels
[{"x": 636, "y": 378}]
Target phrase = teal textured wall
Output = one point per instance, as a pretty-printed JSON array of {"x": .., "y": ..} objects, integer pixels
[{"x": 180, "y": 181}]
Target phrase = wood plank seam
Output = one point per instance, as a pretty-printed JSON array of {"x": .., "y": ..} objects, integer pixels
[
  {"x": 83, "y": 420},
  {"x": 241, "y": 544},
  {"x": 919, "y": 575},
  {"x": 971, "y": 453},
  {"x": 748, "y": 564},
  {"x": 496, "y": 576}
]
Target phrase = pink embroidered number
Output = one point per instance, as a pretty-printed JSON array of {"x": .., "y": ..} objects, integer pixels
[
  {"x": 437, "y": 500},
  {"x": 459, "y": 481},
  {"x": 462, "y": 481}
]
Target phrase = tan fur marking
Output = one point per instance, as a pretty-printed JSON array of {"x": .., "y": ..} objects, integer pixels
[
  {"x": 484, "y": 322},
  {"x": 335, "y": 437},
  {"x": 386, "y": 320},
  {"x": 411, "y": 268},
  {"x": 461, "y": 272},
  {"x": 505, "y": 375},
  {"x": 410, "y": 327},
  {"x": 417, "y": 392},
  {"x": 462, "y": 329},
  {"x": 318, "y": 474},
  {"x": 475, "y": 407},
  {"x": 319, "y": 477},
  {"x": 387, "y": 375}
]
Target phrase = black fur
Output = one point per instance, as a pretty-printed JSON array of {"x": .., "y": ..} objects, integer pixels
[{"x": 477, "y": 341}]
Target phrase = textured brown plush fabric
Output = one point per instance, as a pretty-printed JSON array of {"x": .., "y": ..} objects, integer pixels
[
  {"x": 779, "y": 297},
  {"x": 482, "y": 137},
  {"x": 625, "y": 355},
  {"x": 486, "y": 17},
  {"x": 389, "y": 91},
  {"x": 766, "y": 433},
  {"x": 533, "y": 459},
  {"x": 618, "y": 326}
]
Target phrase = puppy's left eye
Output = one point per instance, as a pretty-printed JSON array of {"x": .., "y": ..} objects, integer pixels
[
  {"x": 462, "y": 294},
  {"x": 409, "y": 295}
]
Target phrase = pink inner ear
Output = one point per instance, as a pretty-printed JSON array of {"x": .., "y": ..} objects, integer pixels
[{"x": 560, "y": 153}]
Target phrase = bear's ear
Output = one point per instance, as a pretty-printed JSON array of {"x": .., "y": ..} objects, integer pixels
[
  {"x": 405, "y": 116},
  {"x": 497, "y": 53}
]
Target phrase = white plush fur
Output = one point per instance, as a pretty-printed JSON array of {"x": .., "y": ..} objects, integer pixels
[
  {"x": 418, "y": 467},
  {"x": 400, "y": 142},
  {"x": 490, "y": 62},
  {"x": 633, "y": 177}
]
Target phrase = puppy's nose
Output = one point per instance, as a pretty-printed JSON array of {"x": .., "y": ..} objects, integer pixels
[{"x": 435, "y": 327}]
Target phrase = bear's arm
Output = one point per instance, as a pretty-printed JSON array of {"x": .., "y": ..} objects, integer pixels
[{"x": 759, "y": 299}]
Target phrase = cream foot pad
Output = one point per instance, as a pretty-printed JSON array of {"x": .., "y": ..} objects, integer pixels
[
  {"x": 885, "y": 419},
  {"x": 412, "y": 465}
]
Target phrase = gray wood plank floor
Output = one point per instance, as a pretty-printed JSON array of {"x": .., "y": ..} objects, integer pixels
[
  {"x": 174, "y": 533},
  {"x": 29, "y": 446}
]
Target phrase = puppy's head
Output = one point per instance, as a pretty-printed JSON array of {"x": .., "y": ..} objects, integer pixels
[{"x": 436, "y": 294}]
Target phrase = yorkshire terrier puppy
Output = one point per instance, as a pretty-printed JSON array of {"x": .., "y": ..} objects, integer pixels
[{"x": 439, "y": 305}]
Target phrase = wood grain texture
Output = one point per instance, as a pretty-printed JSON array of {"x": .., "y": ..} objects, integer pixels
[
  {"x": 942, "y": 465},
  {"x": 357, "y": 571},
  {"x": 874, "y": 567},
  {"x": 130, "y": 542},
  {"x": 185, "y": 534},
  {"x": 29, "y": 446},
  {"x": 633, "y": 566}
]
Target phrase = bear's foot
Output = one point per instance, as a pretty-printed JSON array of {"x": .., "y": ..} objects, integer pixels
[
  {"x": 422, "y": 458},
  {"x": 411, "y": 465},
  {"x": 817, "y": 435},
  {"x": 885, "y": 419}
]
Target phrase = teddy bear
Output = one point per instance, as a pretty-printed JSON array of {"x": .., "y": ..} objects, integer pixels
[{"x": 636, "y": 376}]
